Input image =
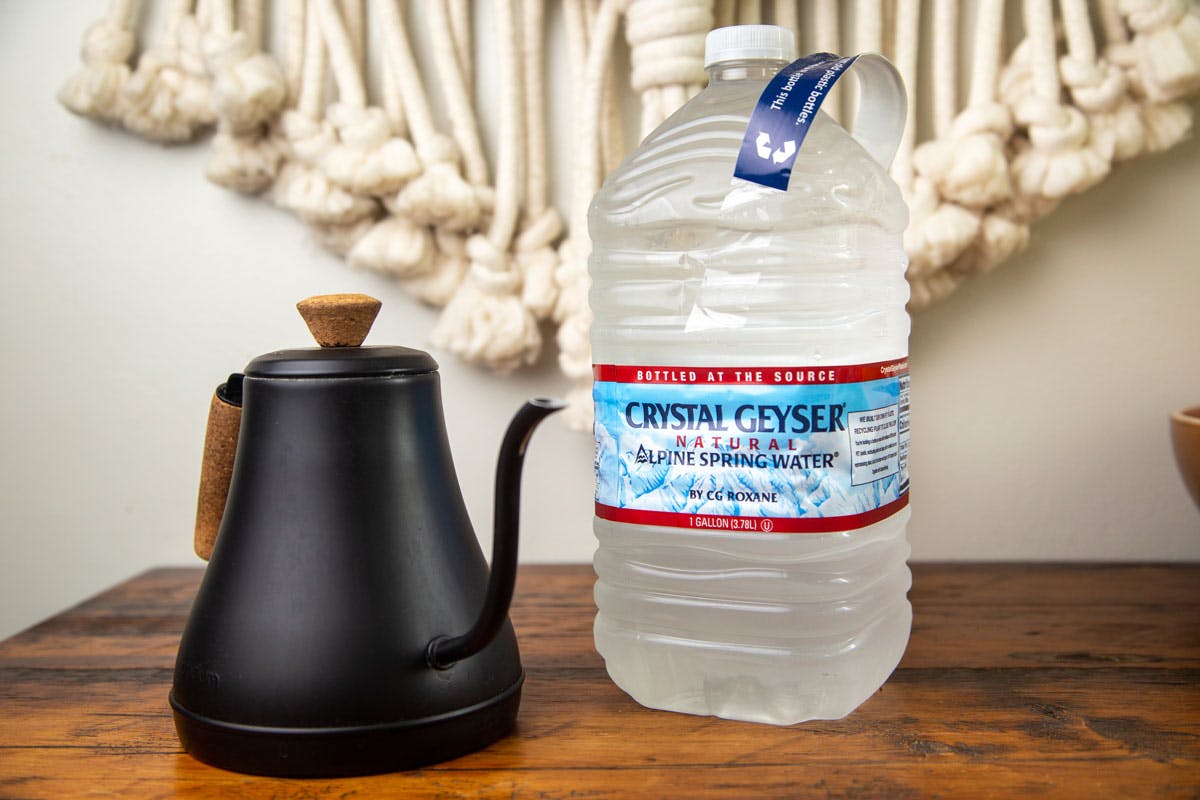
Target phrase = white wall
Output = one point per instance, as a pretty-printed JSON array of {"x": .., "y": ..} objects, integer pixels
[{"x": 131, "y": 287}]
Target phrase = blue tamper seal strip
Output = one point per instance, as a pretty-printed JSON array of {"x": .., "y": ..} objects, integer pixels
[
  {"x": 785, "y": 111},
  {"x": 783, "y": 115}
]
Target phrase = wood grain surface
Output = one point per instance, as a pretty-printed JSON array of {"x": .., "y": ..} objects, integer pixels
[{"x": 1019, "y": 681}]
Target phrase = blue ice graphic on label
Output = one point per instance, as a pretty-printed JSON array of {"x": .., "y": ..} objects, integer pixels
[{"x": 782, "y": 117}]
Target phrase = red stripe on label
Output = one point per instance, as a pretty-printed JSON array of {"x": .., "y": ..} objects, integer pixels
[
  {"x": 716, "y": 522},
  {"x": 751, "y": 376}
]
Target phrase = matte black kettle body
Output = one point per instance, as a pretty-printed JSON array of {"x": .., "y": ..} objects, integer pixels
[{"x": 347, "y": 622}]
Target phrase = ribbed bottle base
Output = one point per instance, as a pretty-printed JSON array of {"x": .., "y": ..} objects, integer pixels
[
  {"x": 778, "y": 630},
  {"x": 767, "y": 685}
]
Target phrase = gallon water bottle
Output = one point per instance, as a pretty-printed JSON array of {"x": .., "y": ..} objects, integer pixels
[{"x": 751, "y": 393}]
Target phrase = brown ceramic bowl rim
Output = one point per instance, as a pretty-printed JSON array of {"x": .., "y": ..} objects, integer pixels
[{"x": 1187, "y": 416}]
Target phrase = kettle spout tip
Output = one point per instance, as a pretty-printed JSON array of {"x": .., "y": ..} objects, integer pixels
[
  {"x": 549, "y": 403},
  {"x": 516, "y": 439}
]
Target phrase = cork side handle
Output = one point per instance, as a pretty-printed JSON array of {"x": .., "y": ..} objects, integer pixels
[{"x": 220, "y": 445}]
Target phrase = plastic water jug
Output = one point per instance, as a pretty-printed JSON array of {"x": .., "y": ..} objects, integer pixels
[{"x": 750, "y": 345}]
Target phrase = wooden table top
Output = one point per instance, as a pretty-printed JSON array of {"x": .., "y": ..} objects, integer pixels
[{"x": 1020, "y": 680}]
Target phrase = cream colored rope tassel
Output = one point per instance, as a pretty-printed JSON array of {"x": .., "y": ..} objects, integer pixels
[
  {"x": 194, "y": 95},
  {"x": 354, "y": 17},
  {"x": 1166, "y": 39},
  {"x": 395, "y": 245},
  {"x": 245, "y": 157},
  {"x": 439, "y": 196},
  {"x": 399, "y": 59},
  {"x": 367, "y": 159},
  {"x": 828, "y": 35},
  {"x": 293, "y": 47},
  {"x": 939, "y": 230},
  {"x": 364, "y": 159},
  {"x": 908, "y": 17},
  {"x": 827, "y": 26},
  {"x": 576, "y": 24},
  {"x": 460, "y": 26},
  {"x": 945, "y": 65},
  {"x": 666, "y": 41},
  {"x": 572, "y": 311},
  {"x": 572, "y": 268},
  {"x": 448, "y": 64},
  {"x": 248, "y": 92},
  {"x": 541, "y": 225},
  {"x": 612, "y": 140},
  {"x": 250, "y": 20},
  {"x": 485, "y": 322},
  {"x": 1063, "y": 157},
  {"x": 248, "y": 86},
  {"x": 150, "y": 95},
  {"x": 1014, "y": 84},
  {"x": 868, "y": 38},
  {"x": 971, "y": 167},
  {"x": 868, "y": 27},
  {"x": 95, "y": 90},
  {"x": 787, "y": 16},
  {"x": 301, "y": 186},
  {"x": 1164, "y": 124},
  {"x": 749, "y": 12},
  {"x": 612, "y": 129},
  {"x": 923, "y": 288},
  {"x": 1098, "y": 87},
  {"x": 393, "y": 103},
  {"x": 725, "y": 13}
]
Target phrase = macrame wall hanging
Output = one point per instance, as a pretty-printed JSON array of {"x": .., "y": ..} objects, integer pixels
[{"x": 383, "y": 181}]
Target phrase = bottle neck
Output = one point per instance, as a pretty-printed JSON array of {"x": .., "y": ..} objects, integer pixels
[{"x": 756, "y": 69}]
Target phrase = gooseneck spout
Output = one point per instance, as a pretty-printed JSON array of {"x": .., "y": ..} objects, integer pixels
[{"x": 444, "y": 651}]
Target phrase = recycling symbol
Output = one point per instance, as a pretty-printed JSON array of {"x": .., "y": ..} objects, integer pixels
[{"x": 762, "y": 145}]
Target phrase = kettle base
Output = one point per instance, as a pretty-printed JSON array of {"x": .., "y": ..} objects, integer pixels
[{"x": 341, "y": 752}]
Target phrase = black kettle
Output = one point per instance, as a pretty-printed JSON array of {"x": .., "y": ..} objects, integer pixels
[{"x": 347, "y": 622}]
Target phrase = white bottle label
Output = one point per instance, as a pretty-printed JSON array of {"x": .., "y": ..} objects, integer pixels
[{"x": 766, "y": 449}]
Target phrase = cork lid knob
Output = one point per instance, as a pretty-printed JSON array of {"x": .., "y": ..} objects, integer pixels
[{"x": 339, "y": 320}]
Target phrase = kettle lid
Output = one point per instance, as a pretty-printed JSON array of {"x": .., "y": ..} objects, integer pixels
[{"x": 340, "y": 323}]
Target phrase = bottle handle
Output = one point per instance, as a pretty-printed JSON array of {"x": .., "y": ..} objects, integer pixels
[
  {"x": 788, "y": 105},
  {"x": 882, "y": 107}
]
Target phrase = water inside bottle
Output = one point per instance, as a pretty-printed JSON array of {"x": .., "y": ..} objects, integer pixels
[{"x": 693, "y": 269}]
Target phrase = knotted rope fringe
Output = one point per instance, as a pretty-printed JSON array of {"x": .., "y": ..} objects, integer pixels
[
  {"x": 169, "y": 96},
  {"x": 486, "y": 321},
  {"x": 108, "y": 44},
  {"x": 379, "y": 182}
]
